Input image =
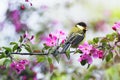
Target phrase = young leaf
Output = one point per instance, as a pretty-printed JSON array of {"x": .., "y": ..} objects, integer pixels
[
  {"x": 49, "y": 60},
  {"x": 21, "y": 39},
  {"x": 110, "y": 37},
  {"x": 27, "y": 47},
  {"x": 109, "y": 56},
  {"x": 68, "y": 54},
  {"x": 15, "y": 47},
  {"x": 7, "y": 49},
  {"x": 2, "y": 55},
  {"x": 13, "y": 43},
  {"x": 41, "y": 58},
  {"x": 96, "y": 40}
]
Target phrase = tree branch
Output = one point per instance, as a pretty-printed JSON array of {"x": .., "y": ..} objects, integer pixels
[{"x": 28, "y": 53}]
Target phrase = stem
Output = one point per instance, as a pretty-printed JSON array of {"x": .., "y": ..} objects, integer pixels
[{"x": 28, "y": 53}]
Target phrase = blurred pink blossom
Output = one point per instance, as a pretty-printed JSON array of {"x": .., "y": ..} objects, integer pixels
[
  {"x": 28, "y": 37},
  {"x": 89, "y": 52},
  {"x": 51, "y": 40},
  {"x": 55, "y": 38},
  {"x": 85, "y": 48},
  {"x": 15, "y": 18},
  {"x": 85, "y": 57},
  {"x": 116, "y": 27},
  {"x": 19, "y": 66}
]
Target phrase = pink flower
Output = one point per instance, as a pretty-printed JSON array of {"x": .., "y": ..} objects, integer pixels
[
  {"x": 100, "y": 54},
  {"x": 62, "y": 33},
  {"x": 19, "y": 66},
  {"x": 55, "y": 38},
  {"x": 15, "y": 18},
  {"x": 85, "y": 48},
  {"x": 89, "y": 52},
  {"x": 85, "y": 57},
  {"x": 63, "y": 41},
  {"x": 116, "y": 27},
  {"x": 28, "y": 37},
  {"x": 96, "y": 53},
  {"x": 24, "y": 62},
  {"x": 51, "y": 40},
  {"x": 22, "y": 7}
]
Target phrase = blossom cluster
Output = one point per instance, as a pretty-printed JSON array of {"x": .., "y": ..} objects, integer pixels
[
  {"x": 55, "y": 38},
  {"x": 28, "y": 38},
  {"x": 89, "y": 52},
  {"x": 19, "y": 66},
  {"x": 116, "y": 27}
]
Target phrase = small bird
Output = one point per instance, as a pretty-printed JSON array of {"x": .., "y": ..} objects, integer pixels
[{"x": 76, "y": 36}]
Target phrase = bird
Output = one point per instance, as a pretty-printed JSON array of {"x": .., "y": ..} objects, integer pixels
[{"x": 77, "y": 34}]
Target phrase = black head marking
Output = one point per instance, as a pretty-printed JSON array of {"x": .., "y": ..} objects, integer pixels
[{"x": 82, "y": 24}]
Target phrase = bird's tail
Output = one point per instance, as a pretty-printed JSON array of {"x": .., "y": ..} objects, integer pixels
[{"x": 65, "y": 47}]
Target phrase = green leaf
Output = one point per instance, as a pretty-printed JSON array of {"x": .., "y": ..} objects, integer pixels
[
  {"x": 21, "y": 39},
  {"x": 110, "y": 37},
  {"x": 15, "y": 47},
  {"x": 28, "y": 48},
  {"x": 7, "y": 62},
  {"x": 13, "y": 43},
  {"x": 49, "y": 60},
  {"x": 2, "y": 55},
  {"x": 41, "y": 58},
  {"x": 104, "y": 40},
  {"x": 96, "y": 40},
  {"x": 68, "y": 54},
  {"x": 7, "y": 49},
  {"x": 109, "y": 56}
]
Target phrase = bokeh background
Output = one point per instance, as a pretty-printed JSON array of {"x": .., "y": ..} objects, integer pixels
[{"x": 41, "y": 17}]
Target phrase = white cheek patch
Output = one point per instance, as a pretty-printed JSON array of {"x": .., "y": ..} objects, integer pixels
[{"x": 80, "y": 27}]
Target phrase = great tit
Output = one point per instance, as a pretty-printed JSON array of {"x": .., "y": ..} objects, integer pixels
[{"x": 76, "y": 36}]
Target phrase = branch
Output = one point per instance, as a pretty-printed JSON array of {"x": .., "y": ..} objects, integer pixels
[{"x": 28, "y": 53}]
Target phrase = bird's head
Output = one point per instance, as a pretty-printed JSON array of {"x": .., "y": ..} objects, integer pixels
[{"x": 81, "y": 26}]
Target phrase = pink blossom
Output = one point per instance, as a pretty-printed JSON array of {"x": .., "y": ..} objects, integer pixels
[
  {"x": 51, "y": 40},
  {"x": 22, "y": 7},
  {"x": 89, "y": 52},
  {"x": 116, "y": 27},
  {"x": 24, "y": 62},
  {"x": 28, "y": 37},
  {"x": 55, "y": 38},
  {"x": 85, "y": 48},
  {"x": 62, "y": 33},
  {"x": 15, "y": 18},
  {"x": 19, "y": 66},
  {"x": 100, "y": 54},
  {"x": 94, "y": 52},
  {"x": 86, "y": 57},
  {"x": 63, "y": 41}
]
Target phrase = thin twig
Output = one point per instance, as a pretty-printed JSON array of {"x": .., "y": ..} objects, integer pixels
[{"x": 27, "y": 53}]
